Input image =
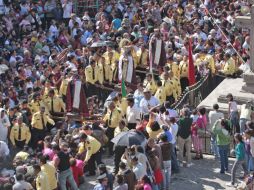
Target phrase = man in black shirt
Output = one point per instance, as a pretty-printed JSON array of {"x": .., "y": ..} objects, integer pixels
[{"x": 62, "y": 163}]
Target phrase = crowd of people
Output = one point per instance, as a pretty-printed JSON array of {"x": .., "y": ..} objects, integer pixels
[{"x": 61, "y": 104}]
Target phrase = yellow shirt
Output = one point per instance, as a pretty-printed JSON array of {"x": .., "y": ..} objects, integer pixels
[
  {"x": 25, "y": 133},
  {"x": 63, "y": 87},
  {"x": 161, "y": 95},
  {"x": 229, "y": 67},
  {"x": 114, "y": 58},
  {"x": 122, "y": 105},
  {"x": 183, "y": 66},
  {"x": 152, "y": 134},
  {"x": 42, "y": 182},
  {"x": 58, "y": 104},
  {"x": 118, "y": 130},
  {"x": 91, "y": 74},
  {"x": 112, "y": 118},
  {"x": 37, "y": 120},
  {"x": 174, "y": 68},
  {"x": 22, "y": 155},
  {"x": 103, "y": 72},
  {"x": 34, "y": 106},
  {"x": 177, "y": 86},
  {"x": 210, "y": 60},
  {"x": 50, "y": 172},
  {"x": 91, "y": 146},
  {"x": 168, "y": 85},
  {"x": 150, "y": 85},
  {"x": 142, "y": 57}
]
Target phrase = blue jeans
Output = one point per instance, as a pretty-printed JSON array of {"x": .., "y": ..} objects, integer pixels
[
  {"x": 214, "y": 147},
  {"x": 234, "y": 119},
  {"x": 242, "y": 123},
  {"x": 249, "y": 162},
  {"x": 175, "y": 166},
  {"x": 65, "y": 176},
  {"x": 223, "y": 151},
  {"x": 166, "y": 174}
]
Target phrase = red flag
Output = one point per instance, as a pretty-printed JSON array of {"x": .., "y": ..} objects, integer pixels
[{"x": 191, "y": 73}]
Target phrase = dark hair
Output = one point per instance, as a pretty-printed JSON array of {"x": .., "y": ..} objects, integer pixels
[
  {"x": 164, "y": 137},
  {"x": 215, "y": 106},
  {"x": 155, "y": 126},
  {"x": 43, "y": 159},
  {"x": 122, "y": 165},
  {"x": 239, "y": 137},
  {"x": 140, "y": 149},
  {"x": 250, "y": 124},
  {"x": 83, "y": 136},
  {"x": 226, "y": 125},
  {"x": 37, "y": 167},
  {"x": 103, "y": 168},
  {"x": 146, "y": 180},
  {"x": 162, "y": 109},
  {"x": 194, "y": 111},
  {"x": 55, "y": 147},
  {"x": 249, "y": 132},
  {"x": 19, "y": 177},
  {"x": 230, "y": 96},
  {"x": 120, "y": 179},
  {"x": 202, "y": 110},
  {"x": 172, "y": 119}
]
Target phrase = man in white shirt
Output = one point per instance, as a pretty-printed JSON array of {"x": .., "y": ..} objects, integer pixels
[
  {"x": 67, "y": 10},
  {"x": 245, "y": 115},
  {"x": 132, "y": 114},
  {"x": 148, "y": 102},
  {"x": 213, "y": 116},
  {"x": 138, "y": 168}
]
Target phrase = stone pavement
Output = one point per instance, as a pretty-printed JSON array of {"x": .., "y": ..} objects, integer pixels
[{"x": 203, "y": 175}]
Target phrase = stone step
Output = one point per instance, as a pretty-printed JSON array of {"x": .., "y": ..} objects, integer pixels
[{"x": 239, "y": 100}]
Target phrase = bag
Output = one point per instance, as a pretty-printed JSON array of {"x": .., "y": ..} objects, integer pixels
[{"x": 158, "y": 176}]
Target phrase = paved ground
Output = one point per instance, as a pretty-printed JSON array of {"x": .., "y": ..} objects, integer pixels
[{"x": 203, "y": 175}]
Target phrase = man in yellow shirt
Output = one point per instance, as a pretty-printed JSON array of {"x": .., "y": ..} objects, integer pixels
[
  {"x": 183, "y": 66},
  {"x": 160, "y": 93},
  {"x": 41, "y": 181},
  {"x": 41, "y": 124},
  {"x": 35, "y": 104},
  {"x": 91, "y": 73},
  {"x": 149, "y": 83},
  {"x": 112, "y": 119},
  {"x": 168, "y": 85},
  {"x": 229, "y": 66},
  {"x": 20, "y": 134},
  {"x": 50, "y": 172},
  {"x": 93, "y": 153},
  {"x": 55, "y": 105}
]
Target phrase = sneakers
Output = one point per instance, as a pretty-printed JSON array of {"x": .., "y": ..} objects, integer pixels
[{"x": 189, "y": 165}]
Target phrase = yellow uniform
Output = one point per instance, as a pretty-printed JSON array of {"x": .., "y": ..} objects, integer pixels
[
  {"x": 152, "y": 134},
  {"x": 42, "y": 182},
  {"x": 118, "y": 130},
  {"x": 38, "y": 120},
  {"x": 46, "y": 92},
  {"x": 23, "y": 155},
  {"x": 34, "y": 106},
  {"x": 122, "y": 105},
  {"x": 91, "y": 146},
  {"x": 63, "y": 87},
  {"x": 142, "y": 57},
  {"x": 177, "y": 86},
  {"x": 229, "y": 67},
  {"x": 112, "y": 60},
  {"x": 210, "y": 60},
  {"x": 150, "y": 85},
  {"x": 50, "y": 172},
  {"x": 103, "y": 72},
  {"x": 161, "y": 95},
  {"x": 183, "y": 67},
  {"x": 20, "y": 133},
  {"x": 174, "y": 68},
  {"x": 55, "y": 104},
  {"x": 91, "y": 74},
  {"x": 169, "y": 88},
  {"x": 112, "y": 118}
]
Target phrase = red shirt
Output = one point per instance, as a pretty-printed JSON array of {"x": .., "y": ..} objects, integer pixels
[{"x": 77, "y": 172}]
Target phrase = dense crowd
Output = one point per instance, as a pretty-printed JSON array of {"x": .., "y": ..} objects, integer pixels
[{"x": 75, "y": 88}]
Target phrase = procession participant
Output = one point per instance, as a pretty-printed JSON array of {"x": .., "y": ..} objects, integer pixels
[
  {"x": 41, "y": 124},
  {"x": 149, "y": 83},
  {"x": 91, "y": 73},
  {"x": 20, "y": 134},
  {"x": 111, "y": 120},
  {"x": 93, "y": 152}
]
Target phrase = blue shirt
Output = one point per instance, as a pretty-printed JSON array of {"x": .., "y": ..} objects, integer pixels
[
  {"x": 116, "y": 23},
  {"x": 169, "y": 135},
  {"x": 99, "y": 187},
  {"x": 240, "y": 151}
]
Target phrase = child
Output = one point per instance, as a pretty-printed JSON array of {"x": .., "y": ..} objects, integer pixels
[
  {"x": 194, "y": 132},
  {"x": 233, "y": 113},
  {"x": 239, "y": 153}
]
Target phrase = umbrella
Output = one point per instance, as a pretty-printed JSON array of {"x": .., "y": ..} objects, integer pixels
[
  {"x": 99, "y": 44},
  {"x": 129, "y": 138},
  {"x": 111, "y": 96}
]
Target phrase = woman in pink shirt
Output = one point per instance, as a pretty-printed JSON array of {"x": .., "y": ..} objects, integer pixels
[
  {"x": 200, "y": 126},
  {"x": 146, "y": 183}
]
